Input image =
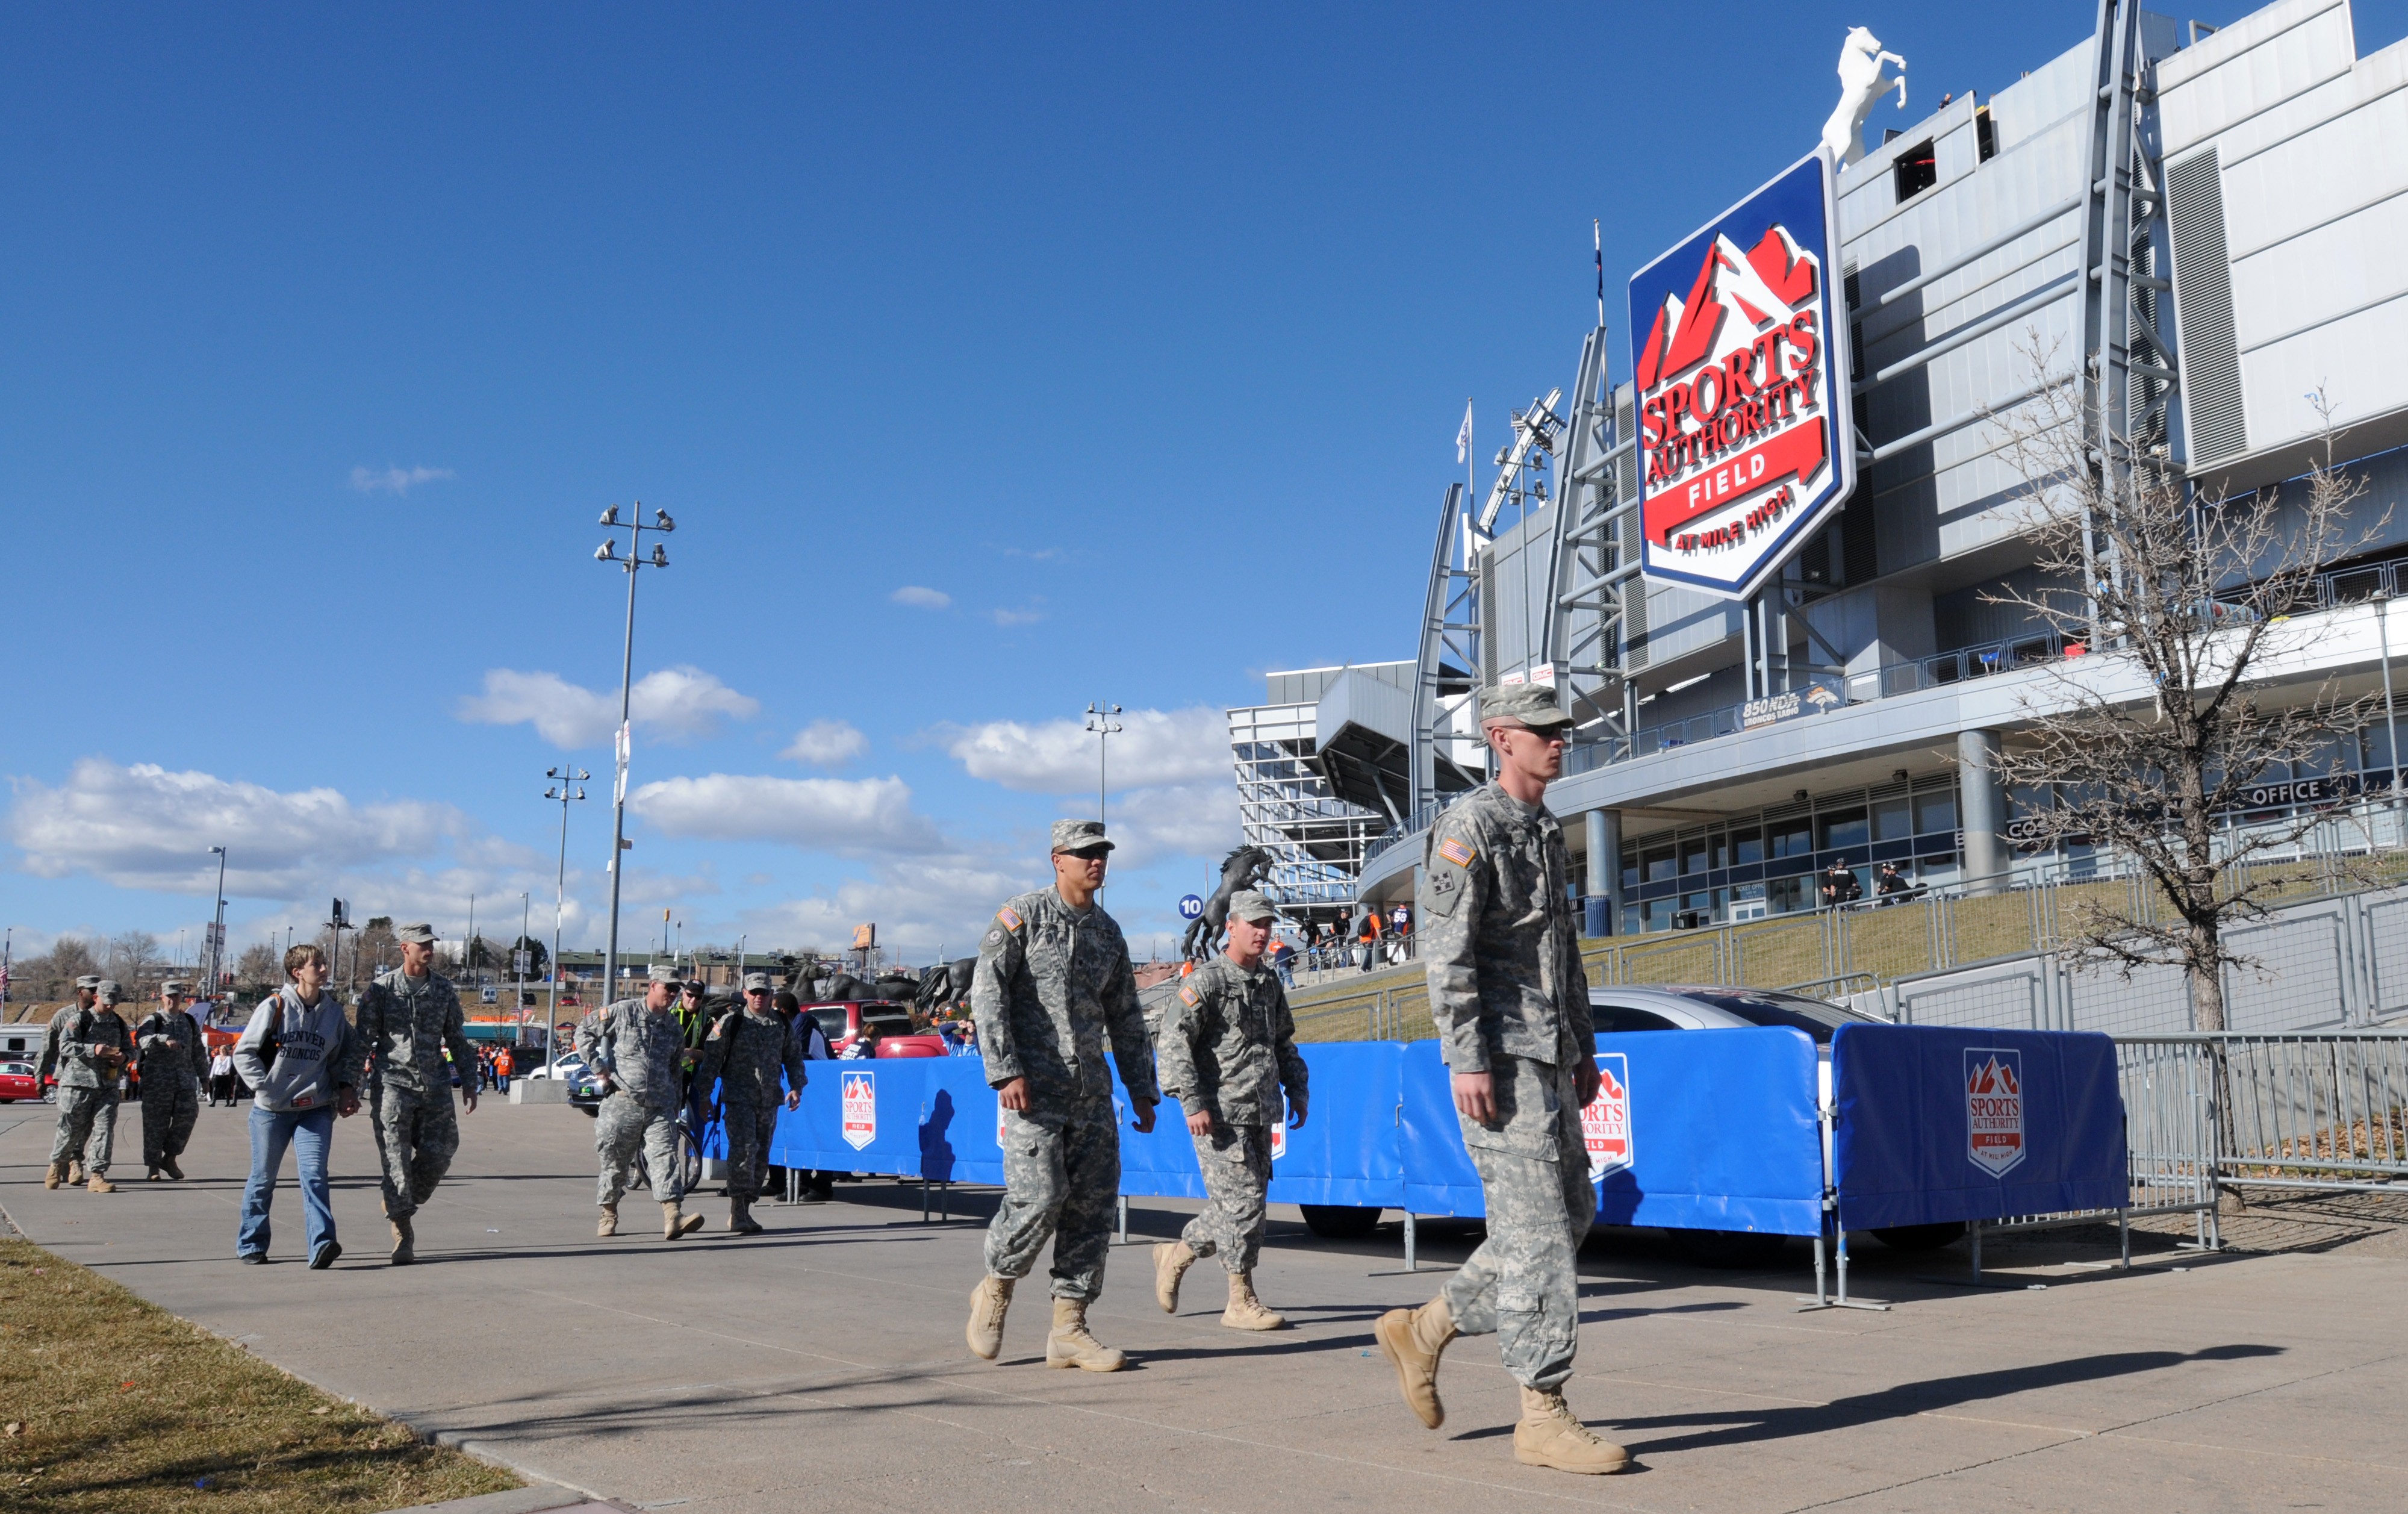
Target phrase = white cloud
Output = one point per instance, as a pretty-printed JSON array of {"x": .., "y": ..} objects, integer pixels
[
  {"x": 397, "y": 481},
  {"x": 839, "y": 814},
  {"x": 142, "y": 827},
  {"x": 676, "y": 702},
  {"x": 1174, "y": 820},
  {"x": 1058, "y": 757},
  {"x": 920, "y": 599},
  {"x": 826, "y": 743},
  {"x": 1009, "y": 618},
  {"x": 919, "y": 907}
]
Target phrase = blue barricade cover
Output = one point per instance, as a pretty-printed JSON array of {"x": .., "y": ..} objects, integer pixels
[
  {"x": 1349, "y": 1151},
  {"x": 856, "y": 1116},
  {"x": 1440, "y": 1178},
  {"x": 1938, "y": 1124},
  {"x": 960, "y": 1141},
  {"x": 1719, "y": 1131}
]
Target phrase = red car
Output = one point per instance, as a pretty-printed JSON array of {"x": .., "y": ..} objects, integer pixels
[
  {"x": 16, "y": 1081},
  {"x": 887, "y": 1023}
]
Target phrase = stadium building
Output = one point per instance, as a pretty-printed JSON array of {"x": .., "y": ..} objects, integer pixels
[{"x": 2199, "y": 224}]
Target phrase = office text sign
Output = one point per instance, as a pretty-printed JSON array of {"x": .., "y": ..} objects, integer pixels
[{"x": 1741, "y": 365}]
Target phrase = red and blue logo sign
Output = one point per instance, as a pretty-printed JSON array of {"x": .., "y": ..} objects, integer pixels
[
  {"x": 857, "y": 1100},
  {"x": 1605, "y": 1120},
  {"x": 1739, "y": 356},
  {"x": 1994, "y": 1108}
]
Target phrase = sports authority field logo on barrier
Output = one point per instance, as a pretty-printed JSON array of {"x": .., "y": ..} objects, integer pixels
[
  {"x": 1605, "y": 1120},
  {"x": 1994, "y": 1108},
  {"x": 858, "y": 1099},
  {"x": 1278, "y": 1138},
  {"x": 1745, "y": 423}
]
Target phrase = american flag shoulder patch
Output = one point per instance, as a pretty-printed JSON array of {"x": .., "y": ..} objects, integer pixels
[
  {"x": 1187, "y": 994},
  {"x": 1455, "y": 852},
  {"x": 1010, "y": 917}
]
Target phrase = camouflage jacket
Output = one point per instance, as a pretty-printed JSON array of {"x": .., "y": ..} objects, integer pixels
[
  {"x": 746, "y": 1052},
  {"x": 1498, "y": 937},
  {"x": 638, "y": 1049},
  {"x": 1227, "y": 1044},
  {"x": 51, "y": 1039},
  {"x": 405, "y": 1023},
  {"x": 86, "y": 1032},
  {"x": 169, "y": 1044},
  {"x": 1051, "y": 984}
]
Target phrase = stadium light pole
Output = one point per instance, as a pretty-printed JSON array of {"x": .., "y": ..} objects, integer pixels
[
  {"x": 608, "y": 551},
  {"x": 566, "y": 781},
  {"x": 1101, "y": 726},
  {"x": 217, "y": 931}
]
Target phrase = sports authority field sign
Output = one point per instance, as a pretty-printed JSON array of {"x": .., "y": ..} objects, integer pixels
[
  {"x": 857, "y": 1103},
  {"x": 1605, "y": 1120},
  {"x": 1994, "y": 1109},
  {"x": 1740, "y": 360}
]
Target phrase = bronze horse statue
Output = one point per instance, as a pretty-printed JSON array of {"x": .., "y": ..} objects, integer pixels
[
  {"x": 945, "y": 986},
  {"x": 1242, "y": 869}
]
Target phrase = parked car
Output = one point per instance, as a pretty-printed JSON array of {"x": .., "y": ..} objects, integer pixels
[
  {"x": 16, "y": 1081},
  {"x": 886, "y": 1022},
  {"x": 584, "y": 1089},
  {"x": 1700, "y": 1007}
]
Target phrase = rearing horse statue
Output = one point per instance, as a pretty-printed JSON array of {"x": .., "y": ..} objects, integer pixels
[{"x": 1242, "y": 869}]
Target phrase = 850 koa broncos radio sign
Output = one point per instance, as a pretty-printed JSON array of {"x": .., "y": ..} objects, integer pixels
[{"x": 1741, "y": 366}]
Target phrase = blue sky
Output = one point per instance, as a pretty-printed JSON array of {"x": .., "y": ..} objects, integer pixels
[{"x": 1135, "y": 340}]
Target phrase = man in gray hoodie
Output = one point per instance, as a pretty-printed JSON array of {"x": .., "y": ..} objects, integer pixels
[{"x": 302, "y": 1057}]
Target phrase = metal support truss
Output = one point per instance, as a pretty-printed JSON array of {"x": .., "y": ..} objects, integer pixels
[
  {"x": 1593, "y": 562},
  {"x": 1450, "y": 668}
]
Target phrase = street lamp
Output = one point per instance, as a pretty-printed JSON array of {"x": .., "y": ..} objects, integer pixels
[
  {"x": 1101, "y": 726},
  {"x": 566, "y": 781},
  {"x": 608, "y": 551},
  {"x": 217, "y": 930}
]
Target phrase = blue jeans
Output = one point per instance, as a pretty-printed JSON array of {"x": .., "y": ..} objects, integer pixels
[{"x": 310, "y": 1132}]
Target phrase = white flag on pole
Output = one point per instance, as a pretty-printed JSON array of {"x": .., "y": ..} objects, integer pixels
[{"x": 1463, "y": 435}]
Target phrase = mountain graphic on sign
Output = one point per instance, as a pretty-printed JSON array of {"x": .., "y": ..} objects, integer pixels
[
  {"x": 1762, "y": 286},
  {"x": 1993, "y": 1076}
]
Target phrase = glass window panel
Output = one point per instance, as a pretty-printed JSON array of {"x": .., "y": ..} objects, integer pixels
[
  {"x": 1693, "y": 855},
  {"x": 1791, "y": 838},
  {"x": 1893, "y": 819},
  {"x": 1747, "y": 846},
  {"x": 1935, "y": 812},
  {"x": 1659, "y": 864},
  {"x": 1843, "y": 827}
]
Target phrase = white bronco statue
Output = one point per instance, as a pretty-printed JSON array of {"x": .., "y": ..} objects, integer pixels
[{"x": 1861, "y": 85}]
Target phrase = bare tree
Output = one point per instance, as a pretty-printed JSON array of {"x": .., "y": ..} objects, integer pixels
[
  {"x": 51, "y": 977},
  {"x": 136, "y": 963},
  {"x": 2184, "y": 600},
  {"x": 259, "y": 969}
]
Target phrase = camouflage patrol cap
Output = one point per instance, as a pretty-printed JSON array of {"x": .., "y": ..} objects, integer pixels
[
  {"x": 1250, "y": 905},
  {"x": 662, "y": 973},
  {"x": 110, "y": 992},
  {"x": 1079, "y": 835},
  {"x": 416, "y": 935},
  {"x": 174, "y": 986},
  {"x": 90, "y": 980},
  {"x": 1528, "y": 704},
  {"x": 756, "y": 983}
]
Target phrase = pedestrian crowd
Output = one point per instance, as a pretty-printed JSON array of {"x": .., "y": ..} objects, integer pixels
[{"x": 1051, "y": 994}]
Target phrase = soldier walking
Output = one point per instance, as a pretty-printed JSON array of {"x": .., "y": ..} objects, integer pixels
[
  {"x": 1053, "y": 980},
  {"x": 746, "y": 1051},
  {"x": 1511, "y": 1002},
  {"x": 169, "y": 1045},
  {"x": 638, "y": 1048},
  {"x": 407, "y": 1019},
  {"x": 1225, "y": 1051},
  {"x": 94, "y": 1047},
  {"x": 87, "y": 991}
]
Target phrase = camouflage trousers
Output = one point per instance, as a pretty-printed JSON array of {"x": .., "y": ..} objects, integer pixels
[
  {"x": 623, "y": 1128},
  {"x": 1522, "y": 1283},
  {"x": 1236, "y": 1163},
  {"x": 748, "y": 1148},
  {"x": 87, "y": 1127},
  {"x": 1062, "y": 1182},
  {"x": 169, "y": 1108},
  {"x": 416, "y": 1135}
]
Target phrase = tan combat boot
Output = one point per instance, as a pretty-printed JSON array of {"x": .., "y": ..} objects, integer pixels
[
  {"x": 1070, "y": 1346},
  {"x": 675, "y": 1222},
  {"x": 405, "y": 1243},
  {"x": 1245, "y": 1311},
  {"x": 1550, "y": 1435},
  {"x": 1171, "y": 1260},
  {"x": 609, "y": 1223},
  {"x": 989, "y": 1301},
  {"x": 57, "y": 1175},
  {"x": 739, "y": 1218},
  {"x": 75, "y": 1171},
  {"x": 1412, "y": 1339},
  {"x": 100, "y": 1184}
]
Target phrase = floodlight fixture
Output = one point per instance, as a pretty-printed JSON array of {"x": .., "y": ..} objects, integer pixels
[
  {"x": 660, "y": 557},
  {"x": 610, "y": 516}
]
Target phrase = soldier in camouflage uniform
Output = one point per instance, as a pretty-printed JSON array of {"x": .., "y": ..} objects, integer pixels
[
  {"x": 169, "y": 1045},
  {"x": 1226, "y": 1051},
  {"x": 640, "y": 1050},
  {"x": 1511, "y": 1002},
  {"x": 1053, "y": 980},
  {"x": 408, "y": 1019},
  {"x": 746, "y": 1052},
  {"x": 94, "y": 1047},
  {"x": 87, "y": 990}
]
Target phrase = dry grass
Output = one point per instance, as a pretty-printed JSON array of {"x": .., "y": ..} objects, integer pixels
[{"x": 114, "y": 1404}]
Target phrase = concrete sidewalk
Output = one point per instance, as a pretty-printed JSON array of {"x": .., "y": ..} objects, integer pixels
[{"x": 821, "y": 1366}]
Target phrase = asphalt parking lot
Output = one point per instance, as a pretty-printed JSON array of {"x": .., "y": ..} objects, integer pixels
[{"x": 821, "y": 1366}]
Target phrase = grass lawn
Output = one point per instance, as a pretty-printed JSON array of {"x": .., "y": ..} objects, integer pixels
[{"x": 114, "y": 1404}]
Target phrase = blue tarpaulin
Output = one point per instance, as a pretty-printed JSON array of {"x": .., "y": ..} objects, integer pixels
[{"x": 1938, "y": 1124}]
